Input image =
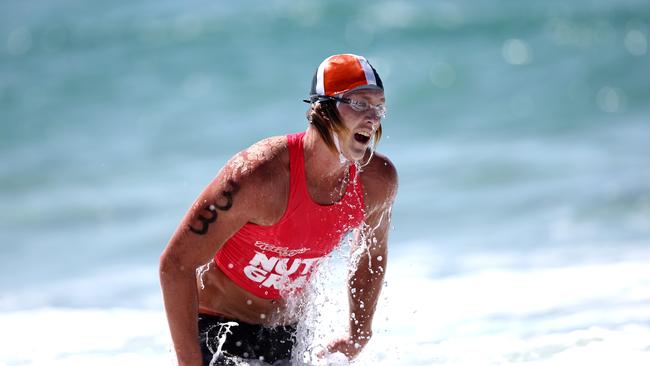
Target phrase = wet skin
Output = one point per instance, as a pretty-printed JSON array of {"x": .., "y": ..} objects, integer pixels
[
  {"x": 218, "y": 294},
  {"x": 234, "y": 197}
]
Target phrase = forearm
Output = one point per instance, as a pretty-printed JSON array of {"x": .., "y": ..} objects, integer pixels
[
  {"x": 364, "y": 290},
  {"x": 181, "y": 303}
]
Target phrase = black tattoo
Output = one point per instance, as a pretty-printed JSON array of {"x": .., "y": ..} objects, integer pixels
[
  {"x": 206, "y": 221},
  {"x": 212, "y": 209},
  {"x": 228, "y": 204}
]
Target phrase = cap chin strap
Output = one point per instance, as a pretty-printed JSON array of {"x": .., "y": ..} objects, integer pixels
[
  {"x": 372, "y": 153},
  {"x": 342, "y": 159}
]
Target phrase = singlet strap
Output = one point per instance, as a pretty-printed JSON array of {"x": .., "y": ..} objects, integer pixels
[
  {"x": 298, "y": 182},
  {"x": 296, "y": 165}
]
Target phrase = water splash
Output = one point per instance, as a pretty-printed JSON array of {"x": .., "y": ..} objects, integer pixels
[
  {"x": 323, "y": 307},
  {"x": 322, "y": 311},
  {"x": 224, "y": 330},
  {"x": 201, "y": 271}
]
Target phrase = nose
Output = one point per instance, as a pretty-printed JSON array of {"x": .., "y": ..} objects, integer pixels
[{"x": 373, "y": 118}]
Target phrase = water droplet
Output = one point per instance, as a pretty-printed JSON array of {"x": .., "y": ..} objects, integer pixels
[
  {"x": 610, "y": 100},
  {"x": 636, "y": 43},
  {"x": 380, "y": 258},
  {"x": 249, "y": 302},
  {"x": 231, "y": 266},
  {"x": 238, "y": 343},
  {"x": 262, "y": 316},
  {"x": 516, "y": 52}
]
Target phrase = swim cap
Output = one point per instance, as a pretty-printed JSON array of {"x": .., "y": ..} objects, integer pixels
[{"x": 343, "y": 73}]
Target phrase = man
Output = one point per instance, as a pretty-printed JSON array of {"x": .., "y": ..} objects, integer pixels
[{"x": 268, "y": 217}]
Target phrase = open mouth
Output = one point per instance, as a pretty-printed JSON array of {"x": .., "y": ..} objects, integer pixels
[{"x": 362, "y": 137}]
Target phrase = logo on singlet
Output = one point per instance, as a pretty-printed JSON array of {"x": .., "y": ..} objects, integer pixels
[
  {"x": 274, "y": 272},
  {"x": 282, "y": 251}
]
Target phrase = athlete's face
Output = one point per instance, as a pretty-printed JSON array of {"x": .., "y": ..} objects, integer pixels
[{"x": 361, "y": 124}]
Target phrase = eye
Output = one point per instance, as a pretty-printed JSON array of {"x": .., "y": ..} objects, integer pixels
[
  {"x": 381, "y": 110},
  {"x": 359, "y": 105}
]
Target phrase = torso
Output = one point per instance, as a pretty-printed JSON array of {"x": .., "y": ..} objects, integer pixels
[{"x": 218, "y": 294}]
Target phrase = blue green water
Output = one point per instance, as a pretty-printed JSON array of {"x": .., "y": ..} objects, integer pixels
[{"x": 519, "y": 129}]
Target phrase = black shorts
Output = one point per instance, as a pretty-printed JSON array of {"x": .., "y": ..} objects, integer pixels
[{"x": 244, "y": 341}]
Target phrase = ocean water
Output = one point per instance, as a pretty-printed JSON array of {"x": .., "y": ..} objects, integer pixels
[{"x": 521, "y": 232}]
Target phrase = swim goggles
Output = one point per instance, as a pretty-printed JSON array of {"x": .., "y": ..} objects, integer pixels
[{"x": 357, "y": 105}]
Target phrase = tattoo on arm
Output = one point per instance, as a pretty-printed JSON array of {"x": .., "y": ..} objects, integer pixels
[
  {"x": 212, "y": 209},
  {"x": 205, "y": 221},
  {"x": 228, "y": 204}
]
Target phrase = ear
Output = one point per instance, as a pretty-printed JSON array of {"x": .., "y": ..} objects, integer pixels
[{"x": 318, "y": 108}]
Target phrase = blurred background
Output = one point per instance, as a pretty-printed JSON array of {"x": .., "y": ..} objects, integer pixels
[{"x": 520, "y": 130}]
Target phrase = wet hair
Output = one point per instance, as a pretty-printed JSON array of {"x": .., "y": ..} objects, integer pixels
[{"x": 325, "y": 117}]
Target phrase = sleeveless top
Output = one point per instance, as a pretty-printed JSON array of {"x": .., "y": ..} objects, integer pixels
[{"x": 270, "y": 261}]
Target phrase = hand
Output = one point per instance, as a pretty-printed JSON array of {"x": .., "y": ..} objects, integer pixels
[{"x": 347, "y": 346}]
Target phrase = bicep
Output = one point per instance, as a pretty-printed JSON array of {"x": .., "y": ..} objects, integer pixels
[
  {"x": 372, "y": 237},
  {"x": 380, "y": 184}
]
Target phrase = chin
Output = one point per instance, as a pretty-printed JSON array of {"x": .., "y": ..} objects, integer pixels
[{"x": 355, "y": 157}]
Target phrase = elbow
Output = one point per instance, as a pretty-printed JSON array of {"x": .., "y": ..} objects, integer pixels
[
  {"x": 171, "y": 264},
  {"x": 166, "y": 263}
]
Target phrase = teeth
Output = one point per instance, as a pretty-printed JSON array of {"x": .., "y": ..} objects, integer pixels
[{"x": 367, "y": 134}]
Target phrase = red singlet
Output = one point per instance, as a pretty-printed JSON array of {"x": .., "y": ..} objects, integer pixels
[{"x": 267, "y": 259}]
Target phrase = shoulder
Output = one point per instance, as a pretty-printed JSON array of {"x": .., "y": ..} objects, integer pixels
[
  {"x": 266, "y": 156},
  {"x": 256, "y": 174},
  {"x": 380, "y": 182}
]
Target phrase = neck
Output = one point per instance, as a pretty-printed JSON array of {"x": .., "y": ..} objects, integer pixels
[{"x": 320, "y": 161}]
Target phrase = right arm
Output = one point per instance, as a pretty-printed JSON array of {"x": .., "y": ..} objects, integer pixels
[{"x": 226, "y": 204}]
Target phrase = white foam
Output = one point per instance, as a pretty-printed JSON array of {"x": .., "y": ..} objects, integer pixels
[
  {"x": 84, "y": 337},
  {"x": 594, "y": 313}
]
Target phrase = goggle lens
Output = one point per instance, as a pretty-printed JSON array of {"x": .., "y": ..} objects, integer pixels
[
  {"x": 360, "y": 106},
  {"x": 357, "y": 105}
]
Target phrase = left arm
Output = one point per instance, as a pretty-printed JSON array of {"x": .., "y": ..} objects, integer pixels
[{"x": 367, "y": 277}]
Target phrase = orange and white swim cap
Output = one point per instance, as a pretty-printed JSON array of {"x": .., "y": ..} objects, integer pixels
[{"x": 343, "y": 73}]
